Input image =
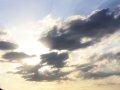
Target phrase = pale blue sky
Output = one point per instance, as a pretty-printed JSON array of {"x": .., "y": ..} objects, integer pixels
[{"x": 20, "y": 11}]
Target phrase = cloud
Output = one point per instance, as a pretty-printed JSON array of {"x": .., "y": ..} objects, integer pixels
[
  {"x": 101, "y": 23},
  {"x": 33, "y": 73},
  {"x": 27, "y": 69},
  {"x": 49, "y": 69},
  {"x": 88, "y": 71},
  {"x": 76, "y": 32},
  {"x": 16, "y": 56},
  {"x": 4, "y": 34},
  {"x": 109, "y": 56},
  {"x": 101, "y": 66},
  {"x": 7, "y": 45},
  {"x": 85, "y": 67},
  {"x": 98, "y": 75},
  {"x": 54, "y": 59},
  {"x": 118, "y": 7},
  {"x": 2, "y": 61},
  {"x": 56, "y": 75}
]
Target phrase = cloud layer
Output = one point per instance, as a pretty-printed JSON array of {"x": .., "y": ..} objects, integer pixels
[
  {"x": 101, "y": 23},
  {"x": 74, "y": 33}
]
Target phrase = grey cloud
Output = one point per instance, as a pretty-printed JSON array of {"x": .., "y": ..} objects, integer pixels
[
  {"x": 56, "y": 75},
  {"x": 32, "y": 73},
  {"x": 64, "y": 41},
  {"x": 2, "y": 61},
  {"x": 16, "y": 56},
  {"x": 54, "y": 59},
  {"x": 98, "y": 25},
  {"x": 95, "y": 74},
  {"x": 7, "y": 45},
  {"x": 87, "y": 74},
  {"x": 86, "y": 68},
  {"x": 27, "y": 69},
  {"x": 98, "y": 75},
  {"x": 108, "y": 83},
  {"x": 108, "y": 56}
]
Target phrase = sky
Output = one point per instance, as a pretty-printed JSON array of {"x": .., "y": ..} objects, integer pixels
[{"x": 60, "y": 44}]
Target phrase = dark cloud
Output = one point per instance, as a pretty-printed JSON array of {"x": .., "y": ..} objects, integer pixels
[
  {"x": 56, "y": 75},
  {"x": 7, "y": 45},
  {"x": 54, "y": 59},
  {"x": 16, "y": 56},
  {"x": 98, "y": 75},
  {"x": 85, "y": 68},
  {"x": 32, "y": 73},
  {"x": 69, "y": 37},
  {"x": 64, "y": 41}
]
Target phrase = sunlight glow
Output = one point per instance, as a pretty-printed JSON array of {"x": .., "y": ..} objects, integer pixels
[
  {"x": 34, "y": 48},
  {"x": 32, "y": 61},
  {"x": 44, "y": 68}
]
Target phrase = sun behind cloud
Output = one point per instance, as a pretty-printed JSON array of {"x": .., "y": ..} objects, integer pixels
[{"x": 33, "y": 48}]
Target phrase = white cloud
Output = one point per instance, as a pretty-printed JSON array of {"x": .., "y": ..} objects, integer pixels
[{"x": 4, "y": 34}]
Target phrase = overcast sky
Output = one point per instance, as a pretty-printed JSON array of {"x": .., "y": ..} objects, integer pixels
[{"x": 60, "y": 44}]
